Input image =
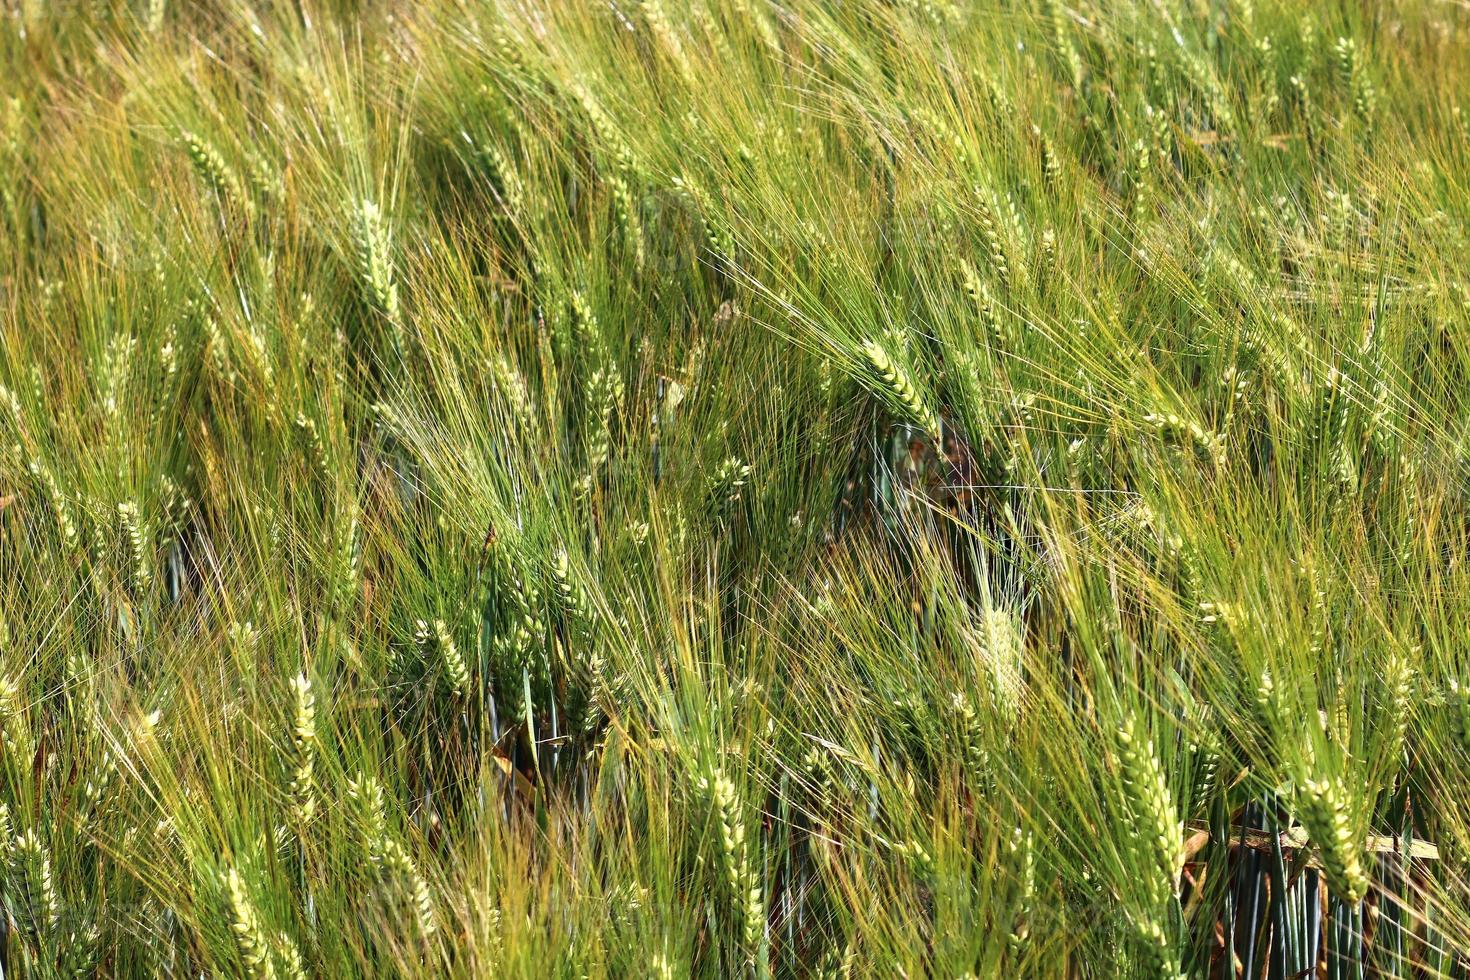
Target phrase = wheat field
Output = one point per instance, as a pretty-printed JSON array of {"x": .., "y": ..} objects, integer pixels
[{"x": 734, "y": 488}]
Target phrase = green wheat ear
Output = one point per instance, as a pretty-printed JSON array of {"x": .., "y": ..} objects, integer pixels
[
  {"x": 211, "y": 165},
  {"x": 373, "y": 243},
  {"x": 301, "y": 756},
  {"x": 1322, "y": 805},
  {"x": 249, "y": 932},
  {"x": 898, "y": 388}
]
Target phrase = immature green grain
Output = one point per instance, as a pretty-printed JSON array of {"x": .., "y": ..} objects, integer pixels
[
  {"x": 386, "y": 854},
  {"x": 1021, "y": 851},
  {"x": 136, "y": 536},
  {"x": 373, "y": 242},
  {"x": 438, "y": 639},
  {"x": 211, "y": 165},
  {"x": 985, "y": 304},
  {"x": 626, "y": 210},
  {"x": 740, "y": 876},
  {"x": 245, "y": 923},
  {"x": 60, "y": 506},
  {"x": 899, "y": 388},
  {"x": 1457, "y": 703},
  {"x": 315, "y": 447},
  {"x": 727, "y": 482},
  {"x": 505, "y": 181},
  {"x": 993, "y": 236},
  {"x": 1398, "y": 697},
  {"x": 34, "y": 860},
  {"x": 1150, "y": 805},
  {"x": 301, "y": 756},
  {"x": 604, "y": 394},
  {"x": 716, "y": 234},
  {"x": 15, "y": 724},
  {"x": 1322, "y": 805}
]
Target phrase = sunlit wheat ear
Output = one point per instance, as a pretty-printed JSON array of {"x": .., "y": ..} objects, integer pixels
[
  {"x": 993, "y": 236},
  {"x": 568, "y": 593},
  {"x": 60, "y": 507},
  {"x": 302, "y": 752},
  {"x": 659, "y": 26},
  {"x": 505, "y": 182},
  {"x": 292, "y": 967},
  {"x": 1051, "y": 164},
  {"x": 726, "y": 485},
  {"x": 210, "y": 164},
  {"x": 316, "y": 449},
  {"x": 373, "y": 242},
  {"x": 456, "y": 674},
  {"x": 661, "y": 967},
  {"x": 14, "y": 724},
  {"x": 250, "y": 935},
  {"x": 370, "y": 812},
  {"x": 1179, "y": 432},
  {"x": 898, "y": 388},
  {"x": 972, "y": 739},
  {"x": 78, "y": 953},
  {"x": 511, "y": 385},
  {"x": 1160, "y": 956},
  {"x": 1021, "y": 852},
  {"x": 585, "y": 328},
  {"x": 745, "y": 887},
  {"x": 942, "y": 133},
  {"x": 630, "y": 221},
  {"x": 34, "y": 861},
  {"x": 1150, "y": 805},
  {"x": 385, "y": 853},
  {"x": 395, "y": 858},
  {"x": 1322, "y": 806},
  {"x": 1003, "y": 649},
  {"x": 265, "y": 179},
  {"x": 985, "y": 304},
  {"x": 346, "y": 560},
  {"x": 1351, "y": 80},
  {"x": 604, "y": 393},
  {"x": 136, "y": 536},
  {"x": 1061, "y": 38},
  {"x": 715, "y": 233},
  {"x": 1399, "y": 678}
]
